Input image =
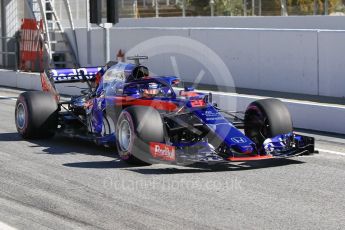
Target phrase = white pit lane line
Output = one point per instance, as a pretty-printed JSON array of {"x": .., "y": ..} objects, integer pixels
[
  {"x": 9, "y": 98},
  {"x": 330, "y": 151},
  {"x": 4, "y": 226}
]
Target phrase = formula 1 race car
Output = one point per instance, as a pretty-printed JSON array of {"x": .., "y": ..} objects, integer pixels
[{"x": 152, "y": 120}]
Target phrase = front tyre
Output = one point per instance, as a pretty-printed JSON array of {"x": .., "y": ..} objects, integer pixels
[
  {"x": 36, "y": 115},
  {"x": 136, "y": 127},
  {"x": 265, "y": 119}
]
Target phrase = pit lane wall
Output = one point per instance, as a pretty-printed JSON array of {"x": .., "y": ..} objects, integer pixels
[
  {"x": 304, "y": 61},
  {"x": 306, "y": 115}
]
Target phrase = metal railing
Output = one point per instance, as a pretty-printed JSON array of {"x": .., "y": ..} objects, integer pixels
[{"x": 9, "y": 54}]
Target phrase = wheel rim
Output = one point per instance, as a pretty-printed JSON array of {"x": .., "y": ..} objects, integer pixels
[
  {"x": 258, "y": 124},
  {"x": 125, "y": 135},
  {"x": 20, "y": 116}
]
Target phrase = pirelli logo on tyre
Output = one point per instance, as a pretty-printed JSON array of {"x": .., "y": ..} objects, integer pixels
[{"x": 162, "y": 151}]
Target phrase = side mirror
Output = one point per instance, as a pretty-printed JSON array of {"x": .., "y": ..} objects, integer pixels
[
  {"x": 85, "y": 79},
  {"x": 189, "y": 88},
  {"x": 210, "y": 98}
]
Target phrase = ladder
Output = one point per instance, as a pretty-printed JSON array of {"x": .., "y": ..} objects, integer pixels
[{"x": 57, "y": 45}]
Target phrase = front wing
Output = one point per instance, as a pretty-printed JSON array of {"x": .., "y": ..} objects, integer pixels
[{"x": 282, "y": 146}]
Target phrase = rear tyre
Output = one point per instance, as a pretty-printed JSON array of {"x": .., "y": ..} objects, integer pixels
[
  {"x": 36, "y": 115},
  {"x": 136, "y": 127},
  {"x": 265, "y": 119}
]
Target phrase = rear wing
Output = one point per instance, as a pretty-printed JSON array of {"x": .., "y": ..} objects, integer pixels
[
  {"x": 73, "y": 75},
  {"x": 48, "y": 80}
]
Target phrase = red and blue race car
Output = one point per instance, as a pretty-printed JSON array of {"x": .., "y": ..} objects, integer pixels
[{"x": 151, "y": 120}]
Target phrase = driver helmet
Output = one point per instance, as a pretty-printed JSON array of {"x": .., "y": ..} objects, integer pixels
[{"x": 151, "y": 90}]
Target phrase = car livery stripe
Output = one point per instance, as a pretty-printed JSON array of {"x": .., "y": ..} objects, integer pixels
[
  {"x": 253, "y": 158},
  {"x": 157, "y": 104}
]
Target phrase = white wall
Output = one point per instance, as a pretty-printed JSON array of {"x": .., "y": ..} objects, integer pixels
[
  {"x": 285, "y": 60},
  {"x": 304, "y": 55},
  {"x": 332, "y": 63},
  {"x": 275, "y": 60}
]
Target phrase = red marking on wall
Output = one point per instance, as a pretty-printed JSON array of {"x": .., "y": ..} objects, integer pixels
[{"x": 31, "y": 44}]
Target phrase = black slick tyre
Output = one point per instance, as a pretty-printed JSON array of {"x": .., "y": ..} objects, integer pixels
[{"x": 36, "y": 115}]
